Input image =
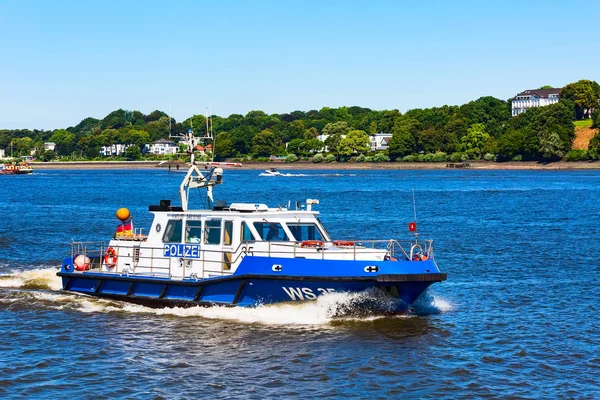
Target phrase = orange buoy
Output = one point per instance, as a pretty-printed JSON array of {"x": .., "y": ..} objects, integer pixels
[{"x": 123, "y": 214}]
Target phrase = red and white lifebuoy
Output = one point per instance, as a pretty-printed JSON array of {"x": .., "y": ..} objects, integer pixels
[{"x": 110, "y": 257}]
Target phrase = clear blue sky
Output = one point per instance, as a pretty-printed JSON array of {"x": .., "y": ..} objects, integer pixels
[{"x": 62, "y": 61}]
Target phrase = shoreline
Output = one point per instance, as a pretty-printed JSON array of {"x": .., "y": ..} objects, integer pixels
[{"x": 479, "y": 165}]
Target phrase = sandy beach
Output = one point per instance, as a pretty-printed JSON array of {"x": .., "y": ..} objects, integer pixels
[{"x": 511, "y": 165}]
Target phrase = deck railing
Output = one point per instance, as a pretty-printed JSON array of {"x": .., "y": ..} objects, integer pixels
[{"x": 145, "y": 257}]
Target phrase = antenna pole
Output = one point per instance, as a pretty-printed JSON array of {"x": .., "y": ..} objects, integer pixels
[
  {"x": 212, "y": 153},
  {"x": 414, "y": 205},
  {"x": 206, "y": 113}
]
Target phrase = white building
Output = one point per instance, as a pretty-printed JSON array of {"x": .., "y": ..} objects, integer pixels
[
  {"x": 380, "y": 141},
  {"x": 50, "y": 146},
  {"x": 2, "y": 153},
  {"x": 163, "y": 146},
  {"x": 534, "y": 98},
  {"x": 114, "y": 150}
]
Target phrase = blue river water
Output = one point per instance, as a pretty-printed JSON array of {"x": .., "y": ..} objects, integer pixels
[{"x": 517, "y": 317}]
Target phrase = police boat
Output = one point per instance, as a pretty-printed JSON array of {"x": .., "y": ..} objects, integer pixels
[{"x": 242, "y": 254}]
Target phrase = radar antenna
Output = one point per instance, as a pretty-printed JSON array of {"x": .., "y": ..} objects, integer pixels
[{"x": 195, "y": 178}]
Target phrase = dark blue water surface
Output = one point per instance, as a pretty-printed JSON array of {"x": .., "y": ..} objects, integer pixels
[{"x": 517, "y": 317}]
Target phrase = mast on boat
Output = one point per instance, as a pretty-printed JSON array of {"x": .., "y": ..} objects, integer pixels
[{"x": 195, "y": 178}]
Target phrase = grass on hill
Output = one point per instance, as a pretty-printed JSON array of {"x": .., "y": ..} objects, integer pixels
[{"x": 584, "y": 123}]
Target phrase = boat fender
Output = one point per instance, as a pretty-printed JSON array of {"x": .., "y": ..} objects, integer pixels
[
  {"x": 81, "y": 263},
  {"x": 311, "y": 243},
  {"x": 343, "y": 243},
  {"x": 110, "y": 257}
]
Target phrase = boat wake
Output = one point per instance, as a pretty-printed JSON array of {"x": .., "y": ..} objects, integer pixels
[
  {"x": 43, "y": 278},
  {"x": 41, "y": 288},
  {"x": 313, "y": 175},
  {"x": 288, "y": 174}
]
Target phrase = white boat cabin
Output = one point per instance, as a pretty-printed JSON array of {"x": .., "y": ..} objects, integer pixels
[{"x": 206, "y": 243}]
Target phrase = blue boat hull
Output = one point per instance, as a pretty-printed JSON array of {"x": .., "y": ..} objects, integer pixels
[{"x": 262, "y": 280}]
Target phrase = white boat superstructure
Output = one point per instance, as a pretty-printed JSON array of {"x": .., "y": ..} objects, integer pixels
[{"x": 207, "y": 243}]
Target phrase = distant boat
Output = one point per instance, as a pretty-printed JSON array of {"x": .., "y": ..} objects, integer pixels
[
  {"x": 15, "y": 168},
  {"x": 271, "y": 172}
]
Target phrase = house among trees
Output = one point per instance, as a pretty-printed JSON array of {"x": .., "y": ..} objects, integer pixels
[
  {"x": 534, "y": 98},
  {"x": 50, "y": 146},
  {"x": 2, "y": 153},
  {"x": 163, "y": 146},
  {"x": 380, "y": 141},
  {"x": 114, "y": 149},
  {"x": 203, "y": 149}
]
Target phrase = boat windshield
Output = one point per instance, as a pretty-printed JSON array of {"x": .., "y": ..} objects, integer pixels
[
  {"x": 271, "y": 231},
  {"x": 305, "y": 231}
]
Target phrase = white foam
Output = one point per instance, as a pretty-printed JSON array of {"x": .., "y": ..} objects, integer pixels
[
  {"x": 431, "y": 304},
  {"x": 327, "y": 308},
  {"x": 322, "y": 311},
  {"x": 442, "y": 304},
  {"x": 43, "y": 278}
]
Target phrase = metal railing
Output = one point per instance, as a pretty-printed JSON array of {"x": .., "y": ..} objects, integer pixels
[{"x": 224, "y": 264}]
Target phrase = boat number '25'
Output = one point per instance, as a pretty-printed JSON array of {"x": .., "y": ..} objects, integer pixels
[{"x": 305, "y": 293}]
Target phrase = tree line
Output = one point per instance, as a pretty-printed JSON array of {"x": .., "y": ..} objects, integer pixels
[{"x": 480, "y": 129}]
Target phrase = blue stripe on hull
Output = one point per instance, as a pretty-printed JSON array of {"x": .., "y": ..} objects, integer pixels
[{"x": 259, "y": 283}]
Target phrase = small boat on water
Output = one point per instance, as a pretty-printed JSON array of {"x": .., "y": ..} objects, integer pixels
[
  {"x": 243, "y": 254},
  {"x": 271, "y": 172},
  {"x": 15, "y": 168}
]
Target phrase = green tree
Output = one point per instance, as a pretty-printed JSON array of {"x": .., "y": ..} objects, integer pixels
[
  {"x": 312, "y": 145},
  {"x": 404, "y": 139},
  {"x": 158, "y": 129},
  {"x": 264, "y": 143},
  {"x": 337, "y": 128},
  {"x": 594, "y": 147},
  {"x": 295, "y": 146},
  {"x": 293, "y": 130},
  {"x": 223, "y": 147},
  {"x": 388, "y": 120},
  {"x": 133, "y": 153},
  {"x": 89, "y": 146},
  {"x": 138, "y": 137},
  {"x": 45, "y": 155},
  {"x": 356, "y": 141},
  {"x": 65, "y": 141},
  {"x": 333, "y": 143},
  {"x": 584, "y": 94},
  {"x": 116, "y": 119},
  {"x": 474, "y": 142},
  {"x": 551, "y": 147}
]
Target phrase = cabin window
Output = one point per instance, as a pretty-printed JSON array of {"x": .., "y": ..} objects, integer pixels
[
  {"x": 271, "y": 231},
  {"x": 173, "y": 231},
  {"x": 227, "y": 232},
  {"x": 212, "y": 231},
  {"x": 246, "y": 232},
  {"x": 305, "y": 232},
  {"x": 193, "y": 231}
]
